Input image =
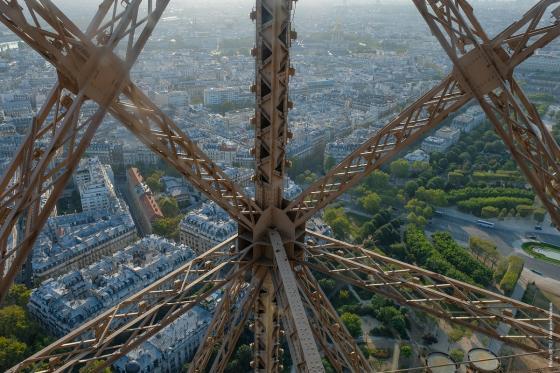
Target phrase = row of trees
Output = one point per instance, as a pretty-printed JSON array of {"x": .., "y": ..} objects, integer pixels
[
  {"x": 464, "y": 194},
  {"x": 382, "y": 230},
  {"x": 493, "y": 205},
  {"x": 484, "y": 250},
  {"x": 461, "y": 259},
  {"x": 419, "y": 212},
  {"x": 444, "y": 256},
  {"x": 508, "y": 273}
]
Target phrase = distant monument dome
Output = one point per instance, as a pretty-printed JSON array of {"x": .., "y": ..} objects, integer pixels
[{"x": 133, "y": 367}]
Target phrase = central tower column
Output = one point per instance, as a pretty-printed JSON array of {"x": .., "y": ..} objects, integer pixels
[
  {"x": 273, "y": 19},
  {"x": 273, "y": 39}
]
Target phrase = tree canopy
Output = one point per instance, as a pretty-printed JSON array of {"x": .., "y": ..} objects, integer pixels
[
  {"x": 371, "y": 202},
  {"x": 353, "y": 323},
  {"x": 12, "y": 352},
  {"x": 400, "y": 169},
  {"x": 18, "y": 294},
  {"x": 14, "y": 323},
  {"x": 153, "y": 181},
  {"x": 337, "y": 219},
  {"x": 169, "y": 206}
]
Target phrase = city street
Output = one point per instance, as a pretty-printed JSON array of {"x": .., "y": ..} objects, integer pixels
[{"x": 507, "y": 235}]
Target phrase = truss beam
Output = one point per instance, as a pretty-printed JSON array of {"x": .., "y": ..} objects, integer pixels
[
  {"x": 227, "y": 325},
  {"x": 306, "y": 354},
  {"x": 273, "y": 19},
  {"x": 221, "y": 323},
  {"x": 481, "y": 71},
  {"x": 337, "y": 343},
  {"x": 49, "y": 165},
  {"x": 430, "y": 110},
  {"x": 159, "y": 133},
  {"x": 244, "y": 311},
  {"x": 266, "y": 329},
  {"x": 88, "y": 66},
  {"x": 134, "y": 320},
  {"x": 411, "y": 286}
]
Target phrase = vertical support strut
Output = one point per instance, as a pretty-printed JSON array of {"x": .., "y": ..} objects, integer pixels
[
  {"x": 266, "y": 329},
  {"x": 271, "y": 87},
  {"x": 272, "y": 71}
]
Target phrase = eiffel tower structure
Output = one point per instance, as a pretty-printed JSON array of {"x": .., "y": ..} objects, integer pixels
[{"x": 267, "y": 270}]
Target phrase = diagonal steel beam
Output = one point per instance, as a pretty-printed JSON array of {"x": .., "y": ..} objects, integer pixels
[
  {"x": 69, "y": 49},
  {"x": 422, "y": 116},
  {"x": 303, "y": 347},
  {"x": 227, "y": 324},
  {"x": 49, "y": 173},
  {"x": 125, "y": 326},
  {"x": 330, "y": 331},
  {"x": 230, "y": 342},
  {"x": 481, "y": 71},
  {"x": 220, "y": 324},
  {"x": 459, "y": 302},
  {"x": 266, "y": 327},
  {"x": 160, "y": 134}
]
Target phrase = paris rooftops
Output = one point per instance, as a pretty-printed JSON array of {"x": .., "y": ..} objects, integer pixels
[
  {"x": 69, "y": 241},
  {"x": 63, "y": 303}
]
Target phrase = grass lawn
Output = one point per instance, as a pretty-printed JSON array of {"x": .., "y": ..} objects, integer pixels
[{"x": 529, "y": 248}]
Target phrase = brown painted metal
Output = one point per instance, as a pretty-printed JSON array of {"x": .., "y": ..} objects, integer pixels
[
  {"x": 227, "y": 324},
  {"x": 337, "y": 343},
  {"x": 266, "y": 328},
  {"x": 411, "y": 286},
  {"x": 305, "y": 353},
  {"x": 428, "y": 112},
  {"x": 273, "y": 21},
  {"x": 230, "y": 343},
  {"x": 147, "y": 312},
  {"x": 484, "y": 72},
  {"x": 268, "y": 253},
  {"x": 49, "y": 169},
  {"x": 133, "y": 108},
  {"x": 159, "y": 133},
  {"x": 272, "y": 72}
]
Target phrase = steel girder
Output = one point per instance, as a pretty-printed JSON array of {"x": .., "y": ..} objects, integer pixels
[
  {"x": 484, "y": 72},
  {"x": 125, "y": 326},
  {"x": 510, "y": 48},
  {"x": 90, "y": 69},
  {"x": 273, "y": 39},
  {"x": 227, "y": 324},
  {"x": 335, "y": 340},
  {"x": 411, "y": 286},
  {"x": 46, "y": 160}
]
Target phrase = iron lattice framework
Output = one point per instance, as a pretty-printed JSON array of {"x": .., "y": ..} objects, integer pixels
[{"x": 265, "y": 271}]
